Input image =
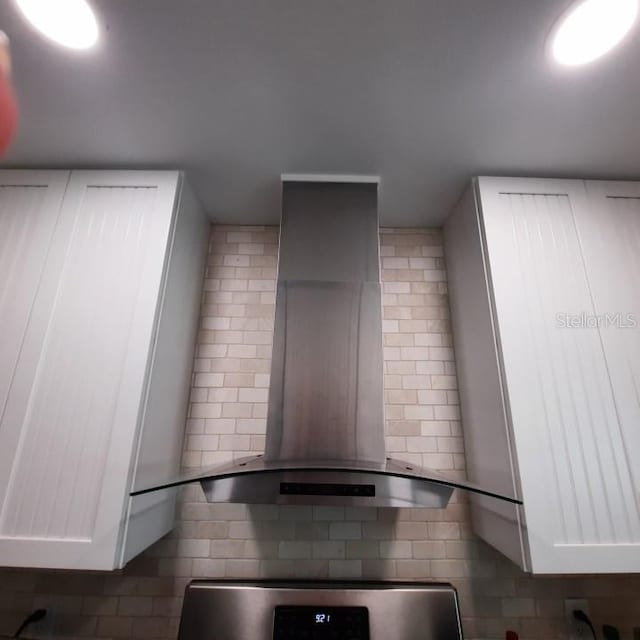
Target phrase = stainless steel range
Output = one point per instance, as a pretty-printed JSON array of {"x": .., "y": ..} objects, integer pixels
[{"x": 273, "y": 610}]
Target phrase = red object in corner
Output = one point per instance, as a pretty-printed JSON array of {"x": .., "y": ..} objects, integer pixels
[
  {"x": 511, "y": 635},
  {"x": 8, "y": 113}
]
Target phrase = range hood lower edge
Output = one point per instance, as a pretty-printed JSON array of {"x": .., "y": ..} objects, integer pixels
[{"x": 393, "y": 483}]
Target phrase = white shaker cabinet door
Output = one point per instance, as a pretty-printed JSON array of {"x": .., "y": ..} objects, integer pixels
[
  {"x": 563, "y": 417},
  {"x": 610, "y": 235},
  {"x": 69, "y": 429}
]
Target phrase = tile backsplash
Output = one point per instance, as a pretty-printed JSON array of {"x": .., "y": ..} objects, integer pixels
[{"x": 227, "y": 417}]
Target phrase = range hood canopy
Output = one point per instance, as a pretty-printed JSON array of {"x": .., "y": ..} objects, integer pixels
[{"x": 325, "y": 423}]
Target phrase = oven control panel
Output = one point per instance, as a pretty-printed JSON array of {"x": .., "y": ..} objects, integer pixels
[{"x": 320, "y": 623}]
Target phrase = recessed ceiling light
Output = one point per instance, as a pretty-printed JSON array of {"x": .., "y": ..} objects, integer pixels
[
  {"x": 70, "y": 23},
  {"x": 591, "y": 28}
]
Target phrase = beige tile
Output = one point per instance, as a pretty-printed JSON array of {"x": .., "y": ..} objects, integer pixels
[
  {"x": 345, "y": 568},
  {"x": 208, "y": 568},
  {"x": 362, "y": 549},
  {"x": 429, "y": 549},
  {"x": 294, "y": 550},
  {"x": 395, "y": 549},
  {"x": 134, "y": 606},
  {"x": 328, "y": 549},
  {"x": 345, "y": 531},
  {"x": 226, "y": 548}
]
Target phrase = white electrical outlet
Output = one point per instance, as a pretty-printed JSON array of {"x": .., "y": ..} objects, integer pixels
[{"x": 577, "y": 630}]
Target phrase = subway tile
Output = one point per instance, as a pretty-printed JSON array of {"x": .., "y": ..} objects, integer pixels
[
  {"x": 114, "y": 626},
  {"x": 435, "y": 428},
  {"x": 519, "y": 607},
  {"x": 238, "y": 236},
  {"x": 362, "y": 549},
  {"x": 201, "y": 365},
  {"x": 248, "y": 248},
  {"x": 400, "y": 396},
  {"x": 242, "y": 351},
  {"x": 395, "y": 263},
  {"x": 215, "y": 324},
  {"x": 209, "y": 380},
  {"x": 414, "y": 353},
  {"x": 400, "y": 368},
  {"x": 443, "y": 382},
  {"x": 395, "y": 443},
  {"x": 253, "y": 395},
  {"x": 311, "y": 530},
  {"x": 345, "y": 568},
  {"x": 100, "y": 605},
  {"x": 444, "y": 530},
  {"x": 441, "y": 461},
  {"x": 213, "y": 530},
  {"x": 328, "y": 513},
  {"x": 134, "y": 606},
  {"x": 451, "y": 412},
  {"x": 202, "y": 443},
  {"x": 392, "y": 382},
  {"x": 377, "y": 530},
  {"x": 237, "y": 410},
  {"x": 361, "y": 513},
  {"x": 345, "y": 531},
  {"x": 398, "y": 340},
  {"x": 450, "y": 445},
  {"x": 193, "y": 548},
  {"x": 413, "y": 569},
  {"x": 239, "y": 379},
  {"x": 422, "y": 444},
  {"x": 432, "y": 397},
  {"x": 395, "y": 549},
  {"x": 416, "y": 382},
  {"x": 328, "y": 549},
  {"x": 403, "y": 428},
  {"x": 448, "y": 569},
  {"x": 429, "y": 367},
  {"x": 296, "y": 512},
  {"x": 418, "y": 412},
  {"x": 208, "y": 568},
  {"x": 429, "y": 549},
  {"x": 223, "y": 394},
  {"x": 294, "y": 550},
  {"x": 406, "y": 530},
  {"x": 250, "y": 425},
  {"x": 241, "y": 568},
  {"x": 396, "y": 287},
  {"x": 234, "y": 442},
  {"x": 226, "y": 548}
]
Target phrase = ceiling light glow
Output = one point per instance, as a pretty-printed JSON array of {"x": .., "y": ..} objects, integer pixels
[
  {"x": 70, "y": 23},
  {"x": 591, "y": 28}
]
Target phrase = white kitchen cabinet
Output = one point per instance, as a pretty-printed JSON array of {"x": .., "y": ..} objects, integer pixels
[
  {"x": 609, "y": 232},
  {"x": 100, "y": 350},
  {"x": 550, "y": 402}
]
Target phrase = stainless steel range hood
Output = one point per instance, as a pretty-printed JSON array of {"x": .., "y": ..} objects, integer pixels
[{"x": 325, "y": 424}]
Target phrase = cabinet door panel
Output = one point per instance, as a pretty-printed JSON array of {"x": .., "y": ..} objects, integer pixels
[
  {"x": 77, "y": 420},
  {"x": 610, "y": 235},
  {"x": 29, "y": 207},
  {"x": 563, "y": 414}
]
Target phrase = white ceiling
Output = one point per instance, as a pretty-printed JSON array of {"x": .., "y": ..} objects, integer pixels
[{"x": 424, "y": 93}]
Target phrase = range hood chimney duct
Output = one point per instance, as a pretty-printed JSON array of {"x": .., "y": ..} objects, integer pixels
[{"x": 326, "y": 394}]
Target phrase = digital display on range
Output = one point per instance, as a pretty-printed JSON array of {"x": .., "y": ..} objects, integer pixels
[{"x": 320, "y": 623}]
